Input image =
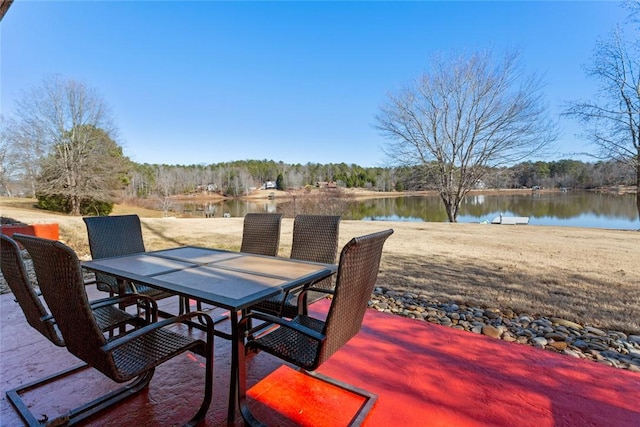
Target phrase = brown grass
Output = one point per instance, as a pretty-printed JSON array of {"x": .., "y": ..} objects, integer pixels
[{"x": 591, "y": 276}]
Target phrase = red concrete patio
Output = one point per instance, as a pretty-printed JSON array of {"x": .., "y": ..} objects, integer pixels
[{"x": 423, "y": 374}]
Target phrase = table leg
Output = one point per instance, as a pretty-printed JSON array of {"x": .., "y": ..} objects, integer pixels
[
  {"x": 241, "y": 379},
  {"x": 236, "y": 341},
  {"x": 122, "y": 285}
]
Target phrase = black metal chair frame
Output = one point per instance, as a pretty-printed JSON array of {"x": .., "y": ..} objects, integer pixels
[
  {"x": 307, "y": 342},
  {"x": 137, "y": 378},
  {"x": 370, "y": 398}
]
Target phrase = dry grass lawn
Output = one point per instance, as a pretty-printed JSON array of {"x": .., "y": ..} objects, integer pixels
[{"x": 591, "y": 276}]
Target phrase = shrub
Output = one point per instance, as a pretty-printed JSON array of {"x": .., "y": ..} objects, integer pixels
[
  {"x": 56, "y": 203},
  {"x": 60, "y": 203},
  {"x": 95, "y": 207}
]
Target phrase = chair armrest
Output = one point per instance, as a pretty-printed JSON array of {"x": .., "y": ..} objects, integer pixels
[
  {"x": 284, "y": 323},
  {"x": 104, "y": 302},
  {"x": 88, "y": 281},
  {"x": 323, "y": 290},
  {"x": 124, "y": 339},
  {"x": 128, "y": 299},
  {"x": 95, "y": 281},
  {"x": 303, "y": 294},
  {"x": 149, "y": 304}
]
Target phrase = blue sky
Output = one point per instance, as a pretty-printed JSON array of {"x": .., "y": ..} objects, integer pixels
[{"x": 298, "y": 82}]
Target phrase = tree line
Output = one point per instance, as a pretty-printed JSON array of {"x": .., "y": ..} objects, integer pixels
[
  {"x": 238, "y": 178},
  {"x": 241, "y": 177}
]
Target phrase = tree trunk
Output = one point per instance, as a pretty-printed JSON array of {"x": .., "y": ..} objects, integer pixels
[
  {"x": 450, "y": 208},
  {"x": 638, "y": 183},
  {"x": 75, "y": 205}
]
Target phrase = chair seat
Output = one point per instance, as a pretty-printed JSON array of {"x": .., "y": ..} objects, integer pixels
[
  {"x": 110, "y": 317},
  {"x": 150, "y": 350},
  {"x": 276, "y": 303},
  {"x": 278, "y": 306},
  {"x": 291, "y": 345},
  {"x": 152, "y": 292}
]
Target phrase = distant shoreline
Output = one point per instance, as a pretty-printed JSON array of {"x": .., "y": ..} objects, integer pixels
[{"x": 360, "y": 193}]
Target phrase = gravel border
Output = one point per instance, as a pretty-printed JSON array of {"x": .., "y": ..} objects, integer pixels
[{"x": 611, "y": 348}]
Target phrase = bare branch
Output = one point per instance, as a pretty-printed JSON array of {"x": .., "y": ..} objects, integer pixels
[
  {"x": 613, "y": 118},
  {"x": 466, "y": 115},
  {"x": 66, "y": 133}
]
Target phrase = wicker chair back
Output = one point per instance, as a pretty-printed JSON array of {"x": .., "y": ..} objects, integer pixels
[
  {"x": 356, "y": 278},
  {"x": 261, "y": 233},
  {"x": 60, "y": 278},
  {"x": 315, "y": 238},
  {"x": 15, "y": 273},
  {"x": 113, "y": 236}
]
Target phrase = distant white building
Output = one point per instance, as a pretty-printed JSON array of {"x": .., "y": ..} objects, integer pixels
[
  {"x": 480, "y": 184},
  {"x": 208, "y": 187},
  {"x": 269, "y": 185}
]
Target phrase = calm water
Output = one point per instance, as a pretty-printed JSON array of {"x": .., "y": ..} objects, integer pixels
[
  {"x": 573, "y": 209},
  {"x": 581, "y": 209}
]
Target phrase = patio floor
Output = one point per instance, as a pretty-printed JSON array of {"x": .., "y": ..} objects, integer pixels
[{"x": 423, "y": 374}]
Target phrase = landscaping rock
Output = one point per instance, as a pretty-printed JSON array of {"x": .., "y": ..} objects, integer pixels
[{"x": 612, "y": 348}]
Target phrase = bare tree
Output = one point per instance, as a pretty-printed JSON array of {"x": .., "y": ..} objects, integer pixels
[
  {"x": 85, "y": 166},
  {"x": 24, "y": 150},
  {"x": 463, "y": 116},
  {"x": 612, "y": 118},
  {"x": 8, "y": 166},
  {"x": 66, "y": 129},
  {"x": 165, "y": 184}
]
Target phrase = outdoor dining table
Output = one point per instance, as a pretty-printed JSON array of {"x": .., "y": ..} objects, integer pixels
[{"x": 231, "y": 280}]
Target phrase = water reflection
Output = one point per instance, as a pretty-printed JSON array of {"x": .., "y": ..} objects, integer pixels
[
  {"x": 221, "y": 208},
  {"x": 582, "y": 209}
]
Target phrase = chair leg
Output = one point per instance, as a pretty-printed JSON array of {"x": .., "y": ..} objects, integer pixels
[
  {"x": 369, "y": 398},
  {"x": 208, "y": 384},
  {"x": 184, "y": 306},
  {"x": 216, "y": 320},
  {"x": 82, "y": 412}
]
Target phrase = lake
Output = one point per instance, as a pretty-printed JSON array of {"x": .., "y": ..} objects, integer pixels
[{"x": 573, "y": 209}]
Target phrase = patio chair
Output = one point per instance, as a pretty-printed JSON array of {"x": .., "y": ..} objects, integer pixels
[
  {"x": 109, "y": 317},
  {"x": 129, "y": 358},
  {"x": 315, "y": 238},
  {"x": 261, "y": 233},
  {"x": 120, "y": 235},
  {"x": 308, "y": 342}
]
